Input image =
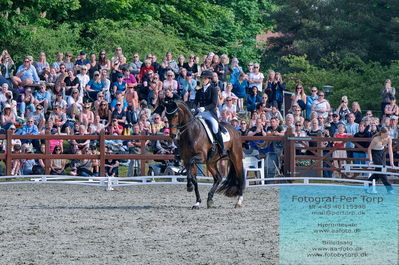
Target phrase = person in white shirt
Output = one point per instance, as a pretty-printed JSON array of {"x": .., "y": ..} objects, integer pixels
[{"x": 256, "y": 78}]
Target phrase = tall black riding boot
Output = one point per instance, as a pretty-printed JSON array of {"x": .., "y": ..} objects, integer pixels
[{"x": 219, "y": 141}]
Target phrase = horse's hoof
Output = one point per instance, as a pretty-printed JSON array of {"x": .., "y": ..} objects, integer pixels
[
  {"x": 190, "y": 188},
  {"x": 209, "y": 204},
  {"x": 238, "y": 206},
  {"x": 195, "y": 207}
]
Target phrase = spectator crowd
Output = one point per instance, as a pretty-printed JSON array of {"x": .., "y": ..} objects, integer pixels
[{"x": 123, "y": 94}]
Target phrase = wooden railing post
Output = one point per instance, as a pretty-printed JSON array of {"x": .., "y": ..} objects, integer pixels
[
  {"x": 289, "y": 153},
  {"x": 9, "y": 153},
  {"x": 47, "y": 161},
  {"x": 102, "y": 153},
  {"x": 142, "y": 152}
]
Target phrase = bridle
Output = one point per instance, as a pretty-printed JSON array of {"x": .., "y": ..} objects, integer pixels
[{"x": 181, "y": 128}]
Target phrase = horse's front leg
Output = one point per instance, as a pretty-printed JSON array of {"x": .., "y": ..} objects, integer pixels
[{"x": 193, "y": 180}]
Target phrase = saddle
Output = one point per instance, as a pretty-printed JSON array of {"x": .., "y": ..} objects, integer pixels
[{"x": 208, "y": 128}]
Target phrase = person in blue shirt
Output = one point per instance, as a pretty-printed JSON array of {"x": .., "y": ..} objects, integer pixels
[
  {"x": 119, "y": 85},
  {"x": 82, "y": 61},
  {"x": 94, "y": 86},
  {"x": 30, "y": 128},
  {"x": 26, "y": 74},
  {"x": 253, "y": 99},
  {"x": 119, "y": 98}
]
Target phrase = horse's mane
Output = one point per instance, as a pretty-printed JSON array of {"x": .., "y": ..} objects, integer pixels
[{"x": 184, "y": 108}]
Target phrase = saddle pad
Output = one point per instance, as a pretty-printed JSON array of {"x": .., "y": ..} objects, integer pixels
[{"x": 225, "y": 135}]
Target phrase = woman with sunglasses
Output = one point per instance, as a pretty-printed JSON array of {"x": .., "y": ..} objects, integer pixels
[
  {"x": 26, "y": 74},
  {"x": 57, "y": 166},
  {"x": 255, "y": 78},
  {"x": 94, "y": 66},
  {"x": 309, "y": 101},
  {"x": 191, "y": 65},
  {"x": 104, "y": 113},
  {"x": 86, "y": 115},
  {"x": 299, "y": 97},
  {"x": 321, "y": 106},
  {"x": 170, "y": 82},
  {"x": 103, "y": 62}
]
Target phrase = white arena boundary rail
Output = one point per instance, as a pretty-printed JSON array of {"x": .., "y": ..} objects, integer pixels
[{"x": 109, "y": 183}]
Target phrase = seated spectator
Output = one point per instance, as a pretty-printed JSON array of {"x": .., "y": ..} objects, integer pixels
[
  {"x": 94, "y": 86},
  {"x": 289, "y": 122},
  {"x": 71, "y": 82},
  {"x": 165, "y": 146},
  {"x": 96, "y": 127},
  {"x": 119, "y": 99},
  {"x": 26, "y": 74},
  {"x": 119, "y": 114},
  {"x": 111, "y": 166},
  {"x": 299, "y": 132},
  {"x": 104, "y": 113},
  {"x": 274, "y": 113},
  {"x": 42, "y": 97},
  {"x": 228, "y": 106},
  {"x": 38, "y": 117},
  {"x": 74, "y": 101},
  {"x": 135, "y": 65},
  {"x": 391, "y": 108},
  {"x": 119, "y": 85},
  {"x": 84, "y": 79},
  {"x": 26, "y": 165},
  {"x": 170, "y": 82},
  {"x": 56, "y": 64},
  {"x": 82, "y": 167},
  {"x": 27, "y": 104},
  {"x": 335, "y": 123},
  {"x": 57, "y": 166},
  {"x": 129, "y": 78},
  {"x": 16, "y": 164},
  {"x": 59, "y": 118},
  {"x": 145, "y": 69},
  {"x": 393, "y": 127},
  {"x": 86, "y": 115},
  {"x": 30, "y": 128},
  {"x": 235, "y": 123},
  {"x": 80, "y": 144},
  {"x": 55, "y": 142},
  {"x": 258, "y": 129},
  {"x": 115, "y": 128},
  {"x": 253, "y": 99},
  {"x": 7, "y": 118}
]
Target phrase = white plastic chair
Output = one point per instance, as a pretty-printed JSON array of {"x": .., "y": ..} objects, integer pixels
[{"x": 251, "y": 163}]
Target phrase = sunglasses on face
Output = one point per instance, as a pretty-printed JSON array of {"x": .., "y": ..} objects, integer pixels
[
  {"x": 321, "y": 95},
  {"x": 314, "y": 90},
  {"x": 102, "y": 53},
  {"x": 298, "y": 125}
]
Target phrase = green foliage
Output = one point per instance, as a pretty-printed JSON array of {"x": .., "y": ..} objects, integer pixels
[{"x": 361, "y": 83}]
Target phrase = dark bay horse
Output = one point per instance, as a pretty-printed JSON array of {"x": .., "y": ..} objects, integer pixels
[{"x": 195, "y": 149}]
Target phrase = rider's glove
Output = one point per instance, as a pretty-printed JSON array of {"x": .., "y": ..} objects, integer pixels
[{"x": 201, "y": 109}]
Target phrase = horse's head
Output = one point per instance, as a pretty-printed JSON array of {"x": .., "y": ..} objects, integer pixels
[{"x": 172, "y": 113}]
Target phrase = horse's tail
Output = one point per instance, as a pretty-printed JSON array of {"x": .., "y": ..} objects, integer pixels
[{"x": 234, "y": 184}]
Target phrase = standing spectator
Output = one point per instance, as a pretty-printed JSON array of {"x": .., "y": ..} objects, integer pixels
[
  {"x": 103, "y": 62},
  {"x": 42, "y": 64},
  {"x": 343, "y": 109},
  {"x": 391, "y": 108},
  {"x": 118, "y": 55},
  {"x": 387, "y": 93},
  {"x": 256, "y": 78},
  {"x": 393, "y": 127},
  {"x": 135, "y": 65},
  {"x": 280, "y": 88},
  {"x": 240, "y": 86},
  {"x": 7, "y": 67},
  {"x": 223, "y": 69},
  {"x": 82, "y": 61},
  {"x": 171, "y": 62},
  {"x": 362, "y": 133},
  {"x": 191, "y": 66},
  {"x": 341, "y": 153},
  {"x": 335, "y": 124},
  {"x": 26, "y": 74},
  {"x": 299, "y": 97},
  {"x": 94, "y": 66},
  {"x": 69, "y": 65},
  {"x": 310, "y": 100},
  {"x": 56, "y": 64},
  {"x": 321, "y": 106},
  {"x": 357, "y": 111},
  {"x": 270, "y": 85}
]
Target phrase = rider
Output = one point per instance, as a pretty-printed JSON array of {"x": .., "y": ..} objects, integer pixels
[{"x": 206, "y": 99}]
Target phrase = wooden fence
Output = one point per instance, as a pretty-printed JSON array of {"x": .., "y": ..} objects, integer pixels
[{"x": 299, "y": 159}]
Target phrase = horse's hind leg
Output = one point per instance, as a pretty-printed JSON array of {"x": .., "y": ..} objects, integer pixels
[{"x": 217, "y": 178}]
